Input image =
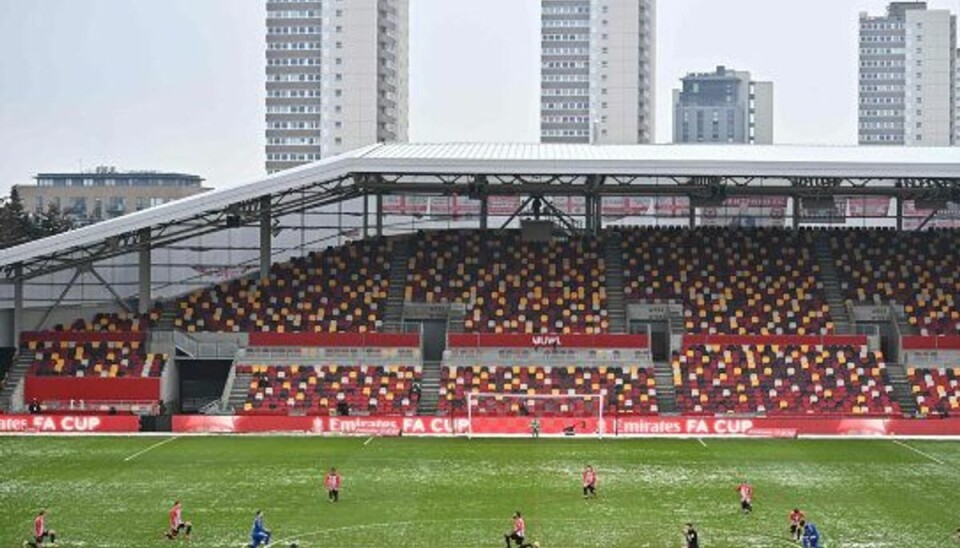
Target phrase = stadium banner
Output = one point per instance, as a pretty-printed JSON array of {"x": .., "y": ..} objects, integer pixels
[
  {"x": 61, "y": 424},
  {"x": 514, "y": 340},
  {"x": 81, "y": 336},
  {"x": 796, "y": 340},
  {"x": 92, "y": 388},
  {"x": 632, "y": 426},
  {"x": 920, "y": 342},
  {"x": 342, "y": 340},
  {"x": 743, "y": 211}
]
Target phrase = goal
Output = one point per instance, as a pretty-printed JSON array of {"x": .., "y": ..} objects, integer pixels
[{"x": 500, "y": 414}]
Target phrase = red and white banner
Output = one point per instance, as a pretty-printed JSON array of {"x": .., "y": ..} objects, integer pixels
[
  {"x": 519, "y": 340},
  {"x": 633, "y": 426},
  {"x": 91, "y": 424},
  {"x": 769, "y": 211}
]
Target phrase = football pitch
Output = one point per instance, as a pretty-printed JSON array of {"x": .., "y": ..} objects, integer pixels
[{"x": 116, "y": 491}]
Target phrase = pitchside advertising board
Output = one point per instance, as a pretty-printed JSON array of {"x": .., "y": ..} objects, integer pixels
[
  {"x": 560, "y": 426},
  {"x": 626, "y": 427}
]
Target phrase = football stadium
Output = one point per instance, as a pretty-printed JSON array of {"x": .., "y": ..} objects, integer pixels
[{"x": 591, "y": 345}]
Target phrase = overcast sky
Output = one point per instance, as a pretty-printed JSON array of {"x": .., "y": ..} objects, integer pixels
[{"x": 178, "y": 85}]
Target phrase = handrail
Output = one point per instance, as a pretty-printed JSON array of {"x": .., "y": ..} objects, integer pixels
[{"x": 228, "y": 386}]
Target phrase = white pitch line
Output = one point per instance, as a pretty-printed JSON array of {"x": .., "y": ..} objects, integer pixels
[
  {"x": 154, "y": 446},
  {"x": 919, "y": 452},
  {"x": 368, "y": 440},
  {"x": 703, "y": 443}
]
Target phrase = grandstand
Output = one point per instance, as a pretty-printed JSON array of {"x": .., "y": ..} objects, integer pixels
[{"x": 396, "y": 280}]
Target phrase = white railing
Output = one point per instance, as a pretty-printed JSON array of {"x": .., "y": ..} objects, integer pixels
[
  {"x": 228, "y": 386},
  {"x": 17, "y": 397},
  {"x": 338, "y": 356},
  {"x": 548, "y": 358}
]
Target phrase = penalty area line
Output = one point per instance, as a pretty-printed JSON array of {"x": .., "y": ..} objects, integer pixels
[
  {"x": 154, "y": 446},
  {"x": 919, "y": 452}
]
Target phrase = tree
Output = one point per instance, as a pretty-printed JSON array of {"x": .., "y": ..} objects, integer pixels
[{"x": 18, "y": 227}]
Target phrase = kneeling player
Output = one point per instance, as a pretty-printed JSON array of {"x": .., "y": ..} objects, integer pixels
[
  {"x": 589, "y": 482},
  {"x": 259, "y": 536},
  {"x": 811, "y": 536},
  {"x": 796, "y": 518},
  {"x": 519, "y": 533},
  {"x": 177, "y": 525},
  {"x": 746, "y": 497},
  {"x": 40, "y": 532}
]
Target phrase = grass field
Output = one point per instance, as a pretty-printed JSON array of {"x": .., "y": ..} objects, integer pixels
[{"x": 419, "y": 492}]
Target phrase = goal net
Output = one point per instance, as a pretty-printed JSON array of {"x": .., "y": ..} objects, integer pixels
[{"x": 494, "y": 414}]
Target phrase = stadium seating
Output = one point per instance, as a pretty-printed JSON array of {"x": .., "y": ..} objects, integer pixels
[
  {"x": 93, "y": 359},
  {"x": 771, "y": 379},
  {"x": 341, "y": 289},
  {"x": 629, "y": 390},
  {"x": 512, "y": 286},
  {"x": 920, "y": 270},
  {"x": 299, "y": 389},
  {"x": 729, "y": 280},
  {"x": 937, "y": 390}
]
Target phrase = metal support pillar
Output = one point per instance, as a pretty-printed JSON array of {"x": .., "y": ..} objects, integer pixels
[
  {"x": 692, "y": 220},
  {"x": 591, "y": 214},
  {"x": 366, "y": 216},
  {"x": 598, "y": 215},
  {"x": 484, "y": 212},
  {"x": 145, "y": 267},
  {"x": 899, "y": 213},
  {"x": 17, "y": 303},
  {"x": 266, "y": 237},
  {"x": 795, "y": 217},
  {"x": 379, "y": 215}
]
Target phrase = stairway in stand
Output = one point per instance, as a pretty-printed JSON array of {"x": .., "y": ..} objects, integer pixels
[
  {"x": 18, "y": 370},
  {"x": 666, "y": 391},
  {"x": 239, "y": 391},
  {"x": 613, "y": 263},
  {"x": 430, "y": 394},
  {"x": 842, "y": 322},
  {"x": 393, "y": 316},
  {"x": 902, "y": 390}
]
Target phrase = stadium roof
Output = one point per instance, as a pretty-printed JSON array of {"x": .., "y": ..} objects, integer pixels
[{"x": 503, "y": 169}]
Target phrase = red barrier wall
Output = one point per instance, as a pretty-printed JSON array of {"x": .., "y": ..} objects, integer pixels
[
  {"x": 839, "y": 340},
  {"x": 82, "y": 336},
  {"x": 92, "y": 388},
  {"x": 918, "y": 342},
  {"x": 69, "y": 423},
  {"x": 511, "y": 340},
  {"x": 349, "y": 340},
  {"x": 520, "y": 426}
]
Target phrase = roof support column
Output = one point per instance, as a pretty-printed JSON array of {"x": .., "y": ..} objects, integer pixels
[
  {"x": 795, "y": 216},
  {"x": 899, "y": 213},
  {"x": 379, "y": 214},
  {"x": 598, "y": 215},
  {"x": 484, "y": 211},
  {"x": 591, "y": 214},
  {"x": 17, "y": 303},
  {"x": 145, "y": 271},
  {"x": 692, "y": 215},
  {"x": 266, "y": 237},
  {"x": 366, "y": 216}
]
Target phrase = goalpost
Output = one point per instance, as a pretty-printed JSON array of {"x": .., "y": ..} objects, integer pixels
[{"x": 561, "y": 415}]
